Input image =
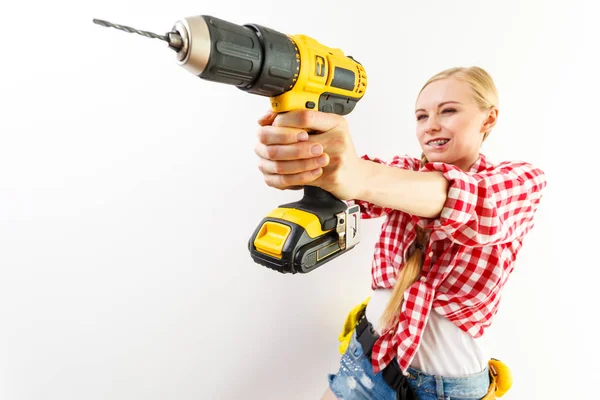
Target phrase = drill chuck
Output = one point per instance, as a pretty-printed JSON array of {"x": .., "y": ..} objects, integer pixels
[{"x": 195, "y": 46}]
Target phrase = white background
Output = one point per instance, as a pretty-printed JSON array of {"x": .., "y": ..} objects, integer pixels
[{"x": 129, "y": 189}]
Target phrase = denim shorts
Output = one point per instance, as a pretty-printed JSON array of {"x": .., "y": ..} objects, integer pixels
[{"x": 355, "y": 381}]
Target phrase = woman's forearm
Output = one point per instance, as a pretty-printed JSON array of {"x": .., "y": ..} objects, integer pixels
[{"x": 418, "y": 193}]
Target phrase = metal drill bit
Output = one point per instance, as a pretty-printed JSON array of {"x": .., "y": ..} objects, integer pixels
[{"x": 172, "y": 38}]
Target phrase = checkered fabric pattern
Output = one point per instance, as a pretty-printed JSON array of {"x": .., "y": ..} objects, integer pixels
[{"x": 469, "y": 255}]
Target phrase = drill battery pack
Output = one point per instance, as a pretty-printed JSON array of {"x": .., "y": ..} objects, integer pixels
[{"x": 291, "y": 240}]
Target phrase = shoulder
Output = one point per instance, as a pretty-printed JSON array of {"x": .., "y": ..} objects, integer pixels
[{"x": 517, "y": 170}]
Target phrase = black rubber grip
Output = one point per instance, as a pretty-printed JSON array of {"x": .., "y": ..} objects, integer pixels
[
  {"x": 253, "y": 58},
  {"x": 320, "y": 203},
  {"x": 280, "y": 66}
]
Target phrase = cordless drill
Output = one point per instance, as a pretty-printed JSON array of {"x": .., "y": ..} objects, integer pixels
[{"x": 295, "y": 72}]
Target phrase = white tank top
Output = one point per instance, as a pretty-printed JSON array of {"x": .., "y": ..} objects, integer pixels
[{"x": 445, "y": 349}]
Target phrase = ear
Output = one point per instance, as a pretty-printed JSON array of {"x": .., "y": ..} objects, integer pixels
[{"x": 490, "y": 121}]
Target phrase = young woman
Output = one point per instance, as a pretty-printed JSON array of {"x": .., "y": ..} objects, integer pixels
[{"x": 454, "y": 224}]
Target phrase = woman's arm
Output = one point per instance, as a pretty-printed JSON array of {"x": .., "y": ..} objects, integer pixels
[
  {"x": 494, "y": 206},
  {"x": 418, "y": 193},
  {"x": 369, "y": 208}
]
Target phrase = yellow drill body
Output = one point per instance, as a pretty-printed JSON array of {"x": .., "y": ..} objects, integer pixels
[{"x": 323, "y": 71}]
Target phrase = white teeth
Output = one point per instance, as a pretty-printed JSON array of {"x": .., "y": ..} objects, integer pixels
[{"x": 439, "y": 142}]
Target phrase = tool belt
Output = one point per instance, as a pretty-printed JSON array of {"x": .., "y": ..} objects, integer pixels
[
  {"x": 500, "y": 374},
  {"x": 366, "y": 336}
]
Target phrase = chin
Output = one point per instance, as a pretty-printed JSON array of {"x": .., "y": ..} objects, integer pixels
[{"x": 436, "y": 158}]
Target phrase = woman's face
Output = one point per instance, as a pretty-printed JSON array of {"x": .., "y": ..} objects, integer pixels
[{"x": 450, "y": 125}]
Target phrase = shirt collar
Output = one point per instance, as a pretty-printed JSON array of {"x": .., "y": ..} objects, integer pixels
[{"x": 479, "y": 165}]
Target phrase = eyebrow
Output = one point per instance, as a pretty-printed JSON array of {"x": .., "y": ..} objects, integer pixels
[{"x": 441, "y": 105}]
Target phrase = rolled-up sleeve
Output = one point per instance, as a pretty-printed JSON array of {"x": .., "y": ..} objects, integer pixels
[
  {"x": 490, "y": 207},
  {"x": 370, "y": 210}
]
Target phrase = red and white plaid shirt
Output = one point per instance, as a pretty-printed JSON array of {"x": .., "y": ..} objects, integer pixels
[{"x": 470, "y": 253}]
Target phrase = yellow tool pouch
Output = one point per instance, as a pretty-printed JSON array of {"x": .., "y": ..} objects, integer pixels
[
  {"x": 501, "y": 379},
  {"x": 350, "y": 324}
]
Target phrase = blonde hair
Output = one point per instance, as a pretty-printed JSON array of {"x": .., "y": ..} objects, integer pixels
[{"x": 485, "y": 94}]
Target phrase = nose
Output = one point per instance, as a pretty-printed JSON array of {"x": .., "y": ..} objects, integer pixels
[{"x": 432, "y": 124}]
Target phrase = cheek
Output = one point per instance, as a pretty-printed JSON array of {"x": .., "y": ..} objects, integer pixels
[
  {"x": 456, "y": 125},
  {"x": 461, "y": 130},
  {"x": 468, "y": 141}
]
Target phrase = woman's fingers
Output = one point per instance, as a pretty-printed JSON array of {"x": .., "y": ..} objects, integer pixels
[
  {"x": 292, "y": 180},
  {"x": 267, "y": 119},
  {"x": 310, "y": 120},
  {"x": 292, "y": 167},
  {"x": 269, "y": 135},
  {"x": 296, "y": 151},
  {"x": 288, "y": 158}
]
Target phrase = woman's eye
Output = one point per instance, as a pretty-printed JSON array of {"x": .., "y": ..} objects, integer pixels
[
  {"x": 420, "y": 117},
  {"x": 449, "y": 110}
]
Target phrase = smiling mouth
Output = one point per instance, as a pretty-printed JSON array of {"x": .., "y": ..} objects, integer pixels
[{"x": 438, "y": 142}]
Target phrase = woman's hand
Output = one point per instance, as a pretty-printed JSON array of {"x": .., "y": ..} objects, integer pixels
[{"x": 290, "y": 158}]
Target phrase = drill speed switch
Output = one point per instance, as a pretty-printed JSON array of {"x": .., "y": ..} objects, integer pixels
[{"x": 295, "y": 72}]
